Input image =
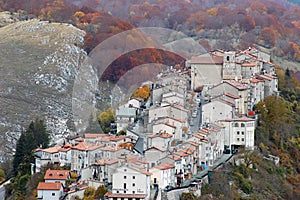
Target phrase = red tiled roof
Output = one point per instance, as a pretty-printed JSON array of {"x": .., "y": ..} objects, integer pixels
[
  {"x": 94, "y": 135},
  {"x": 174, "y": 157},
  {"x": 231, "y": 96},
  {"x": 194, "y": 143},
  {"x": 165, "y": 166},
  {"x": 255, "y": 80},
  {"x": 115, "y": 138},
  {"x": 270, "y": 76},
  {"x": 199, "y": 136},
  {"x": 241, "y": 119},
  {"x": 56, "y": 174},
  {"x": 84, "y": 146},
  {"x": 218, "y": 124},
  {"x": 52, "y": 149},
  {"x": 110, "y": 148},
  {"x": 104, "y": 161},
  {"x": 236, "y": 84},
  {"x": 162, "y": 135},
  {"x": 180, "y": 153},
  {"x": 49, "y": 186},
  {"x": 249, "y": 64}
]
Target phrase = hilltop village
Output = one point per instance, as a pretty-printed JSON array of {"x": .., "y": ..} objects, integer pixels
[{"x": 193, "y": 121}]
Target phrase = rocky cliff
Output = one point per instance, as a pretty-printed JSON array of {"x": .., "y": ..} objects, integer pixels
[{"x": 38, "y": 64}]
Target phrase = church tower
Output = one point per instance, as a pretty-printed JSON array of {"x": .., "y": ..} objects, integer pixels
[{"x": 231, "y": 70}]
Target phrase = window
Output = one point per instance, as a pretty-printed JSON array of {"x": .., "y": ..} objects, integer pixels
[
  {"x": 124, "y": 185},
  {"x": 133, "y": 192},
  {"x": 243, "y": 133},
  {"x": 243, "y": 139},
  {"x": 117, "y": 191},
  {"x": 238, "y": 139},
  {"x": 125, "y": 177},
  {"x": 53, "y": 194},
  {"x": 133, "y": 177},
  {"x": 238, "y": 133},
  {"x": 236, "y": 125},
  {"x": 242, "y": 125},
  {"x": 155, "y": 178},
  {"x": 133, "y": 184}
]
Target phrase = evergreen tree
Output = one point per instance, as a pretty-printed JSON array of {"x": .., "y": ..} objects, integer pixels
[{"x": 35, "y": 136}]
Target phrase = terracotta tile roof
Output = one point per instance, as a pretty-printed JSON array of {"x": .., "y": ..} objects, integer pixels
[
  {"x": 270, "y": 76},
  {"x": 180, "y": 153},
  {"x": 255, "y": 80},
  {"x": 111, "y": 148},
  {"x": 56, "y": 174},
  {"x": 115, "y": 138},
  {"x": 52, "y": 149},
  {"x": 80, "y": 139},
  {"x": 170, "y": 125},
  {"x": 65, "y": 148},
  {"x": 174, "y": 157},
  {"x": 236, "y": 84},
  {"x": 206, "y": 60},
  {"x": 55, "y": 149},
  {"x": 248, "y": 64},
  {"x": 219, "y": 125},
  {"x": 241, "y": 119},
  {"x": 204, "y": 131},
  {"x": 231, "y": 96},
  {"x": 94, "y": 135},
  {"x": 162, "y": 135},
  {"x": 84, "y": 146},
  {"x": 105, "y": 161},
  {"x": 119, "y": 195},
  {"x": 165, "y": 166},
  {"x": 188, "y": 150},
  {"x": 194, "y": 143},
  {"x": 134, "y": 159},
  {"x": 199, "y": 136},
  {"x": 49, "y": 186}
]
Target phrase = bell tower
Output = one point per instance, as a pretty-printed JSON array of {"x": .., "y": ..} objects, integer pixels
[{"x": 230, "y": 68}]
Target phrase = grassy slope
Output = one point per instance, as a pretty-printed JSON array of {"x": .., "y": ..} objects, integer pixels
[{"x": 22, "y": 54}]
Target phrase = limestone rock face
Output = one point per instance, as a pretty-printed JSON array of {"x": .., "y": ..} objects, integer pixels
[{"x": 39, "y": 62}]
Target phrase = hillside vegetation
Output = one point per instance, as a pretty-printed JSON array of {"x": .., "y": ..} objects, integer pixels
[{"x": 229, "y": 24}]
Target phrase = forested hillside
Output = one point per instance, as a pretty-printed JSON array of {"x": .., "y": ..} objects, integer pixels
[{"x": 229, "y": 24}]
